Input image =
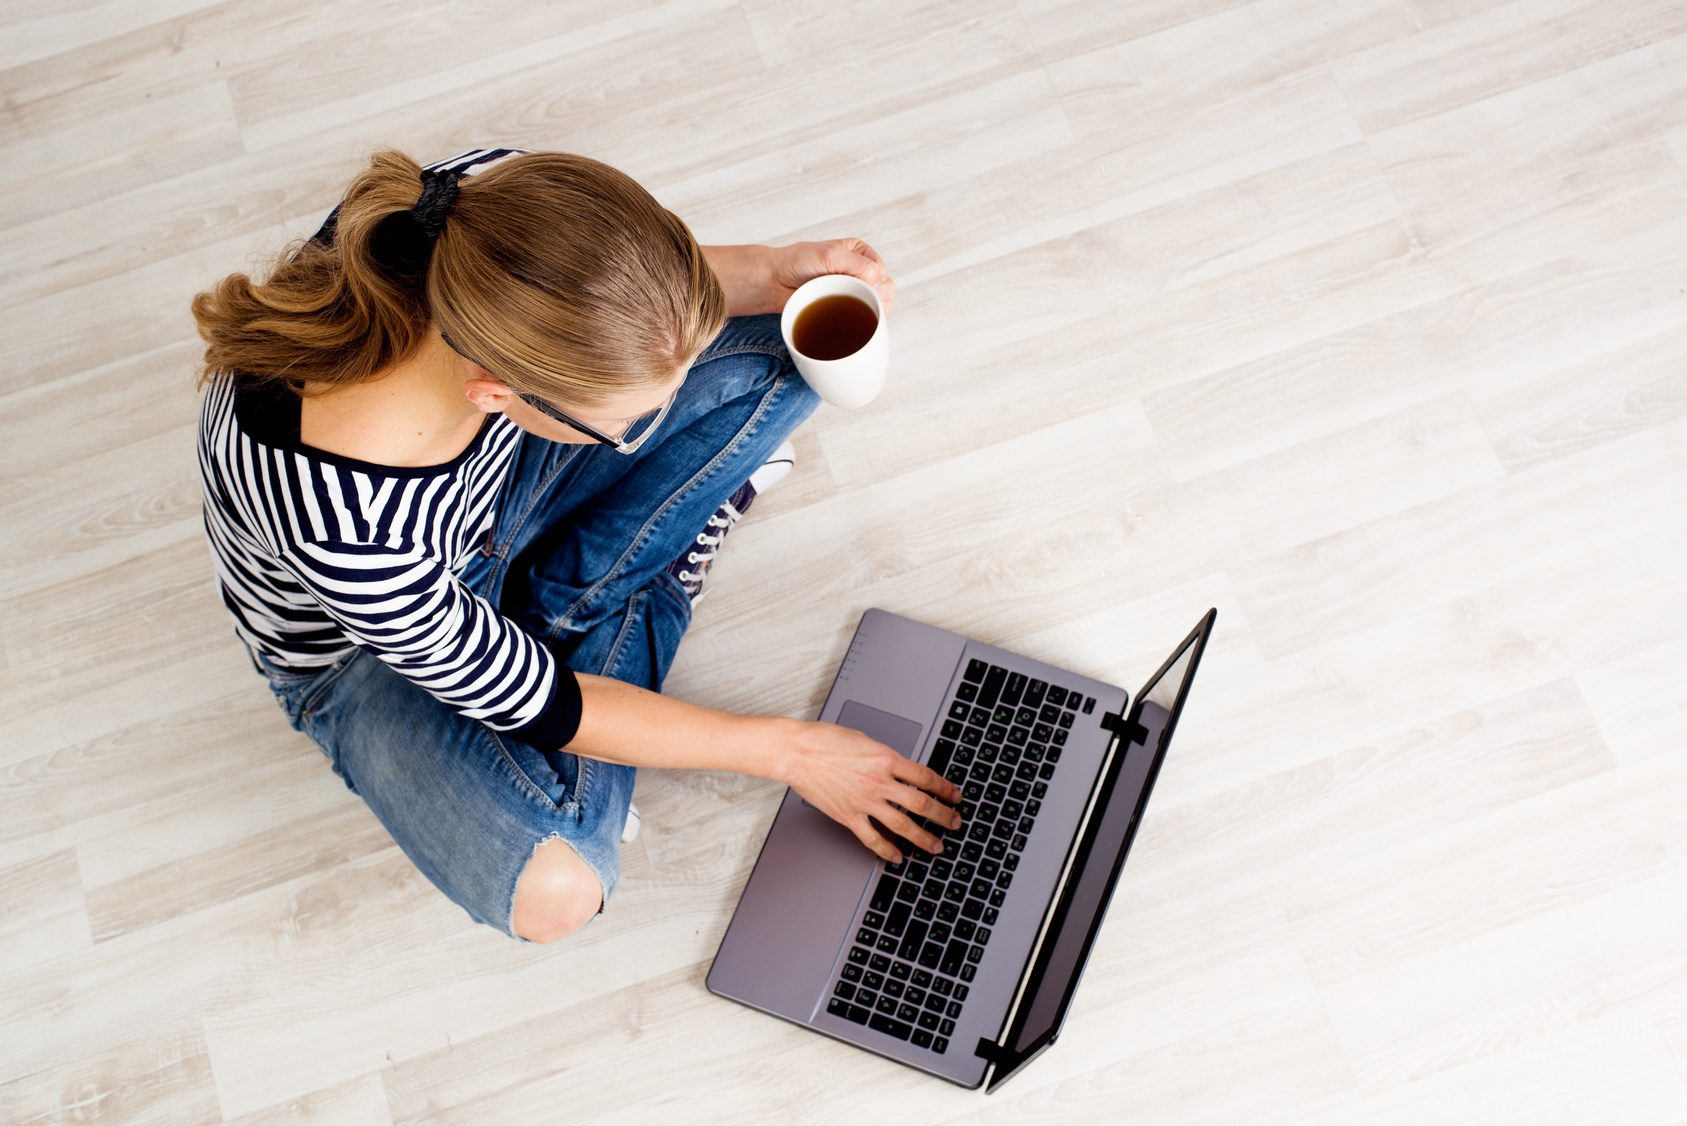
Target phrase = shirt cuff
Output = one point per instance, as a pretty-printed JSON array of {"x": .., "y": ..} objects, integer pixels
[{"x": 556, "y": 726}]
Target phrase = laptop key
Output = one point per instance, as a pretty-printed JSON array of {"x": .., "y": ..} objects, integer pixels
[
  {"x": 943, "y": 986},
  {"x": 921, "y": 1038},
  {"x": 928, "y": 1020},
  {"x": 1034, "y": 693},
  {"x": 940, "y": 1045},
  {"x": 1017, "y": 736},
  {"x": 1043, "y": 732},
  {"x": 887, "y": 1005},
  {"x": 995, "y": 792},
  {"x": 989, "y": 919},
  {"x": 972, "y": 908},
  {"x": 1059, "y": 739},
  {"x": 1039, "y": 789},
  {"x": 859, "y": 956},
  {"x": 959, "y": 710},
  {"x": 884, "y": 1024},
  {"x": 912, "y": 940},
  {"x": 975, "y": 671},
  {"x": 1025, "y": 717},
  {"x": 954, "y": 957},
  {"x": 1066, "y": 718},
  {"x": 873, "y": 919},
  {"x": 1020, "y": 788},
  {"x": 939, "y": 933},
  {"x": 872, "y": 980},
  {"x": 968, "y": 972},
  {"x": 997, "y": 897},
  {"x": 879, "y": 963},
  {"x": 1005, "y": 880},
  {"x": 982, "y": 937},
  {"x": 884, "y": 893},
  {"x": 887, "y": 944},
  {"x": 946, "y": 1027},
  {"x": 1047, "y": 771},
  {"x": 906, "y": 1011},
  {"x": 1003, "y": 773},
  {"x": 951, "y": 729},
  {"x": 838, "y": 1007},
  {"x": 851, "y": 972},
  {"x": 968, "y": 735},
  {"x": 862, "y": 997},
  {"x": 991, "y": 689},
  {"x": 974, "y": 953},
  {"x": 1056, "y": 696},
  {"x": 978, "y": 717},
  {"x": 1014, "y": 688},
  {"x": 915, "y": 995},
  {"x": 909, "y": 891},
  {"x": 939, "y": 761},
  {"x": 845, "y": 990},
  {"x": 955, "y": 1007},
  {"x": 997, "y": 848},
  {"x": 922, "y": 979},
  {"x": 936, "y": 1003},
  {"x": 900, "y": 970},
  {"x": 933, "y": 888},
  {"x": 866, "y": 937},
  {"x": 995, "y": 733},
  {"x": 931, "y": 954}
]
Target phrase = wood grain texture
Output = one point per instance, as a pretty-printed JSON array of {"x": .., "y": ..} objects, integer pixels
[{"x": 1365, "y": 322}]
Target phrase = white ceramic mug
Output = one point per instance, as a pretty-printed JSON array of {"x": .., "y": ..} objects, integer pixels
[{"x": 856, "y": 379}]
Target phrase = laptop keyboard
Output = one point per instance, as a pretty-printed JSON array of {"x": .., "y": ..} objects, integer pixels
[{"x": 928, "y": 921}]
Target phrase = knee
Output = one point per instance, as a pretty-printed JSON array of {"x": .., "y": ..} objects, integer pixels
[{"x": 557, "y": 894}]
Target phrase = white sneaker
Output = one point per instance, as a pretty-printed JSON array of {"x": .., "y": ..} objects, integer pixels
[
  {"x": 692, "y": 567},
  {"x": 629, "y": 831}
]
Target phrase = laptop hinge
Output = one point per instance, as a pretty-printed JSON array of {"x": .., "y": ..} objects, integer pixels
[
  {"x": 991, "y": 1051},
  {"x": 1124, "y": 728}
]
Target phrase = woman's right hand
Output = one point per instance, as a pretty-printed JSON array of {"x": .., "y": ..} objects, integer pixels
[{"x": 856, "y": 781}]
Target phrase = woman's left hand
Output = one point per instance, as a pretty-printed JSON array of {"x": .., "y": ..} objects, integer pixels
[{"x": 760, "y": 279}]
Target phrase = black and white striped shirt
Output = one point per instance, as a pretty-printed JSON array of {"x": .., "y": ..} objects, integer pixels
[{"x": 318, "y": 553}]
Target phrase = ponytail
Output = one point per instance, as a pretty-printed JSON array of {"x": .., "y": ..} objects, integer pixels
[{"x": 560, "y": 271}]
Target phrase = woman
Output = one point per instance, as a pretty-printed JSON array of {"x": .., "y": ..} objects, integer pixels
[{"x": 466, "y": 455}]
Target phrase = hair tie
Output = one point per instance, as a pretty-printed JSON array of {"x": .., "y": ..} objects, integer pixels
[{"x": 439, "y": 193}]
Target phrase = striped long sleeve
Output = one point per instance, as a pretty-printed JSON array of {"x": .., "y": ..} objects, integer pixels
[{"x": 318, "y": 553}]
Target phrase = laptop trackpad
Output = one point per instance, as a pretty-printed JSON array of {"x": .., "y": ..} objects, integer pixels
[{"x": 901, "y": 735}]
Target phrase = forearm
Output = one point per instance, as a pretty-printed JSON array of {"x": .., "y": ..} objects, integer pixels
[
  {"x": 857, "y": 781},
  {"x": 625, "y": 724},
  {"x": 746, "y": 278}
]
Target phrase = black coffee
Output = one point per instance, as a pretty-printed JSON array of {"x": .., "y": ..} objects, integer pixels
[{"x": 834, "y": 327}]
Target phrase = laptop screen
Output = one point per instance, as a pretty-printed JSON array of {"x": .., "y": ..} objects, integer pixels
[{"x": 1101, "y": 854}]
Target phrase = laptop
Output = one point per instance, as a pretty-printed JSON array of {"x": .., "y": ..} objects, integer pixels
[{"x": 961, "y": 965}]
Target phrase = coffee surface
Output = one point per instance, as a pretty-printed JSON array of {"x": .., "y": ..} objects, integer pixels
[{"x": 834, "y": 327}]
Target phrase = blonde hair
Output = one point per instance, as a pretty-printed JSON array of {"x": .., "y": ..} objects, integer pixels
[{"x": 558, "y": 273}]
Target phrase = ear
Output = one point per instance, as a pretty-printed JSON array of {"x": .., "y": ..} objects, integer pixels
[{"x": 488, "y": 395}]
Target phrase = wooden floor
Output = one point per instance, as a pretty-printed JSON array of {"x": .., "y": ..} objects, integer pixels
[{"x": 1362, "y": 320}]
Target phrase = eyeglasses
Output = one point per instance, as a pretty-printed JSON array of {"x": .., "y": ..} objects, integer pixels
[{"x": 629, "y": 434}]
